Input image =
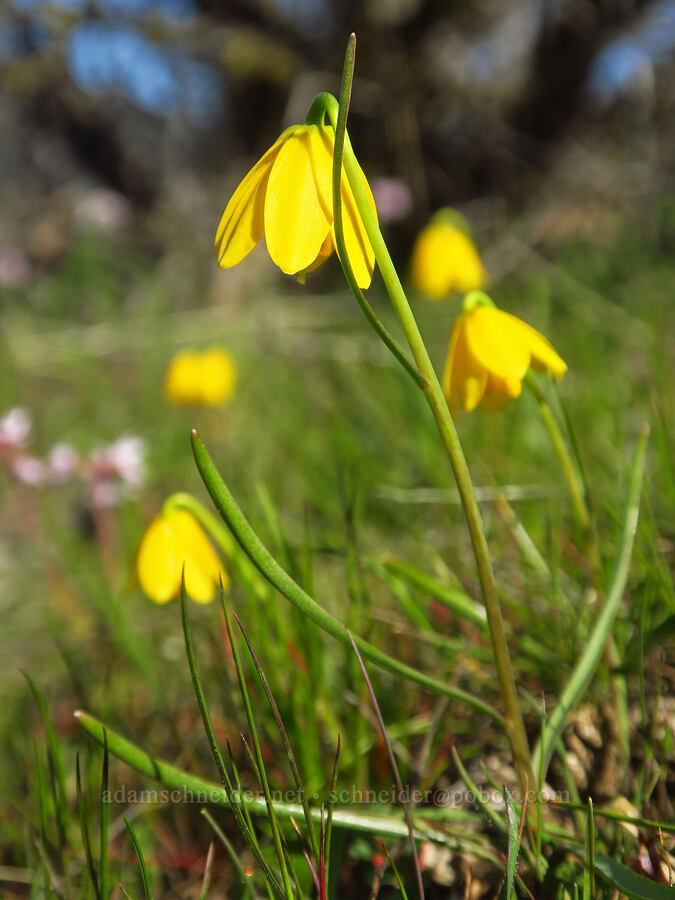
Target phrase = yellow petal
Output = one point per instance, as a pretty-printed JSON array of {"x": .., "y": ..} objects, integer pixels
[
  {"x": 217, "y": 377},
  {"x": 156, "y": 563},
  {"x": 463, "y": 381},
  {"x": 181, "y": 382},
  {"x": 494, "y": 398},
  {"x": 428, "y": 271},
  {"x": 359, "y": 251},
  {"x": 445, "y": 260},
  {"x": 498, "y": 343},
  {"x": 544, "y": 357},
  {"x": 175, "y": 541},
  {"x": 297, "y": 202},
  {"x": 324, "y": 253},
  {"x": 242, "y": 223}
]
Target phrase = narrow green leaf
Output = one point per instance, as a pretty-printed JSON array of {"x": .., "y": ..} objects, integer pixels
[
  {"x": 397, "y": 874},
  {"x": 513, "y": 846},
  {"x": 270, "y": 568},
  {"x": 284, "y": 738},
  {"x": 589, "y": 856},
  {"x": 206, "y": 881},
  {"x": 55, "y": 762},
  {"x": 104, "y": 820},
  {"x": 260, "y": 763},
  {"x": 491, "y": 813},
  {"x": 246, "y": 880},
  {"x": 459, "y": 602},
  {"x": 394, "y": 768},
  {"x": 145, "y": 878},
  {"x": 628, "y": 882},
  {"x": 213, "y": 744},
  {"x": 209, "y": 792},
  {"x": 329, "y": 814},
  {"x": 84, "y": 825},
  {"x": 583, "y": 671}
]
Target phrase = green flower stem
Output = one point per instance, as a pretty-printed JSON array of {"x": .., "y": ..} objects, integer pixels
[
  {"x": 316, "y": 115},
  {"x": 583, "y": 672},
  {"x": 567, "y": 465},
  {"x": 210, "y": 792},
  {"x": 282, "y": 581},
  {"x": 514, "y": 725}
]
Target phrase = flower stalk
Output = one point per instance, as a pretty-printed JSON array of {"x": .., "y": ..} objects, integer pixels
[
  {"x": 574, "y": 484},
  {"x": 344, "y": 156}
]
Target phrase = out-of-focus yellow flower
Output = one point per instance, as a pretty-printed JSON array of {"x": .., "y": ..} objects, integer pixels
[
  {"x": 173, "y": 540},
  {"x": 490, "y": 352},
  {"x": 288, "y": 197},
  {"x": 444, "y": 258},
  {"x": 200, "y": 379}
]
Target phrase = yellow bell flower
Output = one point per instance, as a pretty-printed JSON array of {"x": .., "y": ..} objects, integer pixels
[
  {"x": 175, "y": 540},
  {"x": 200, "y": 379},
  {"x": 490, "y": 352},
  {"x": 444, "y": 258},
  {"x": 288, "y": 197}
]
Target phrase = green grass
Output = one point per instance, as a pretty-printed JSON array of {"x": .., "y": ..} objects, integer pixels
[{"x": 334, "y": 459}]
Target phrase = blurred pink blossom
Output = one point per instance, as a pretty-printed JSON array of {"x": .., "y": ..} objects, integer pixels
[
  {"x": 15, "y": 427},
  {"x": 103, "y": 209},
  {"x": 62, "y": 463},
  {"x": 392, "y": 199},
  {"x": 30, "y": 470},
  {"x": 14, "y": 267},
  {"x": 123, "y": 462},
  {"x": 127, "y": 456},
  {"x": 104, "y": 494}
]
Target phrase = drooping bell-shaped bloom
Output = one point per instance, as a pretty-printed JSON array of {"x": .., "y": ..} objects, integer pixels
[
  {"x": 175, "y": 540},
  {"x": 287, "y": 198},
  {"x": 444, "y": 258},
  {"x": 200, "y": 379},
  {"x": 489, "y": 355}
]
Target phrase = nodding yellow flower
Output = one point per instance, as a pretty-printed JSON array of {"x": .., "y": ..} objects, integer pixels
[
  {"x": 444, "y": 258},
  {"x": 288, "y": 197},
  {"x": 490, "y": 352},
  {"x": 200, "y": 379},
  {"x": 175, "y": 540}
]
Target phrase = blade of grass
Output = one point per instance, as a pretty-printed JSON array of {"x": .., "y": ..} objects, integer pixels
[
  {"x": 206, "y": 882},
  {"x": 103, "y": 863},
  {"x": 232, "y": 853},
  {"x": 513, "y": 846},
  {"x": 329, "y": 814},
  {"x": 589, "y": 856},
  {"x": 397, "y": 875},
  {"x": 601, "y": 813},
  {"x": 84, "y": 824},
  {"x": 55, "y": 762},
  {"x": 42, "y": 794},
  {"x": 246, "y": 812},
  {"x": 394, "y": 767},
  {"x": 145, "y": 878},
  {"x": 284, "y": 738},
  {"x": 270, "y": 568},
  {"x": 583, "y": 671},
  {"x": 210, "y": 792},
  {"x": 460, "y": 603},
  {"x": 307, "y": 854},
  {"x": 215, "y": 750},
  {"x": 491, "y": 813},
  {"x": 262, "y": 772}
]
